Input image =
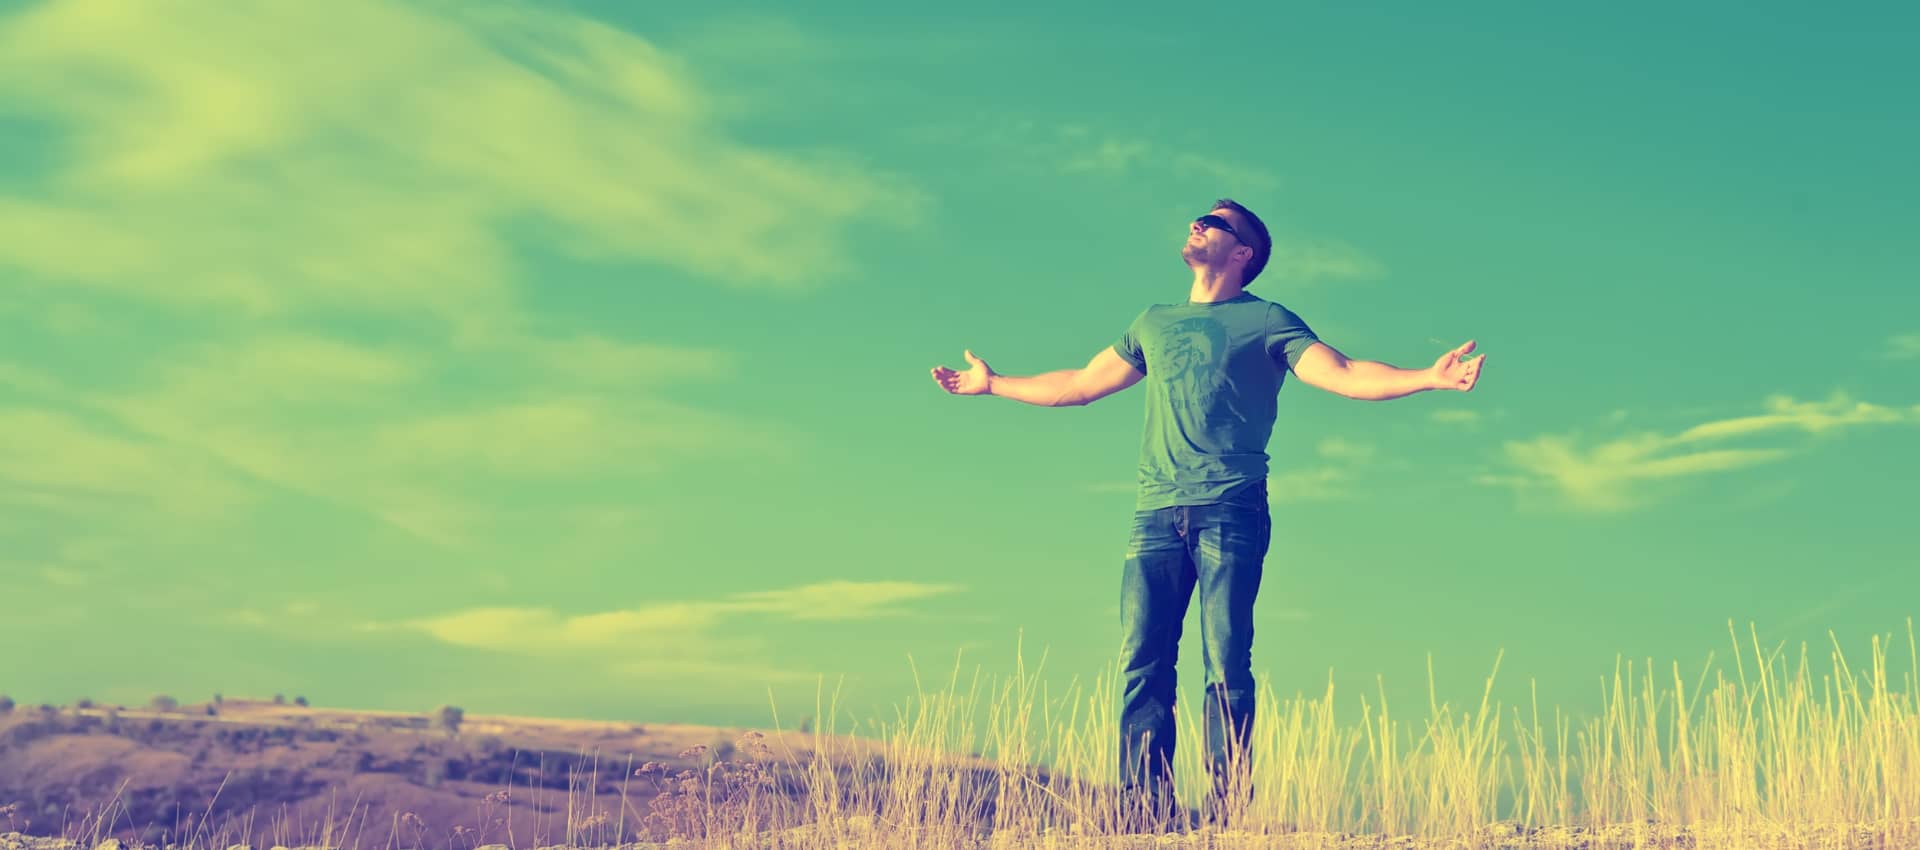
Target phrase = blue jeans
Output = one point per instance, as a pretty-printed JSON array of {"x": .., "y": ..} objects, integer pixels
[{"x": 1220, "y": 549}]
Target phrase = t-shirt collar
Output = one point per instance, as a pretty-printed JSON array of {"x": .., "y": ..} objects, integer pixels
[{"x": 1243, "y": 296}]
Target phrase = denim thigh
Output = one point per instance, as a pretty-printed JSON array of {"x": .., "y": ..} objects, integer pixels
[{"x": 1228, "y": 545}]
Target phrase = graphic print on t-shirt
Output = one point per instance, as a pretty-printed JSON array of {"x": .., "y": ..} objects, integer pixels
[{"x": 1195, "y": 356}]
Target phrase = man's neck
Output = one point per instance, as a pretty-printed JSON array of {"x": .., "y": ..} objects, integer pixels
[{"x": 1210, "y": 285}]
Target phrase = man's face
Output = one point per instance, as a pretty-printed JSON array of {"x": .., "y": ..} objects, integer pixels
[{"x": 1212, "y": 247}]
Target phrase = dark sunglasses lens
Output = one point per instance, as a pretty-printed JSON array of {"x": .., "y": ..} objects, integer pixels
[{"x": 1216, "y": 222}]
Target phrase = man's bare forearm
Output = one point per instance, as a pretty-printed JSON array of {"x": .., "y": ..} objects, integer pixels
[
  {"x": 1052, "y": 389},
  {"x": 1371, "y": 380}
]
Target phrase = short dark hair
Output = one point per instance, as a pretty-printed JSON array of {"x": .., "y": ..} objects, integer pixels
[{"x": 1264, "y": 244}]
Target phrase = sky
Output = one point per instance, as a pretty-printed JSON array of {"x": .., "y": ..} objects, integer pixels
[{"x": 571, "y": 359}]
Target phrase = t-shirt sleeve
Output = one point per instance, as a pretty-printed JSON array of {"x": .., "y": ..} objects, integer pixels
[
  {"x": 1128, "y": 345},
  {"x": 1287, "y": 336}
]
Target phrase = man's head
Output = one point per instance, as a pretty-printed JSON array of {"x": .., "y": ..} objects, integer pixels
[{"x": 1241, "y": 243}]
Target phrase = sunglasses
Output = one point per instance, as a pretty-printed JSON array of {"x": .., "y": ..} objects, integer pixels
[{"x": 1217, "y": 223}]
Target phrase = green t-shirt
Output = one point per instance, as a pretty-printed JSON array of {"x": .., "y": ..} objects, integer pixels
[{"x": 1213, "y": 374}]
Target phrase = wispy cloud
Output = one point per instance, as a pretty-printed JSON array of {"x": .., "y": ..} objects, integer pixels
[
  {"x": 1456, "y": 416},
  {"x": 598, "y": 360},
  {"x": 225, "y": 172},
  {"x": 1902, "y": 347},
  {"x": 1108, "y": 156},
  {"x": 223, "y": 158},
  {"x": 1073, "y": 148},
  {"x": 1305, "y": 260},
  {"x": 58, "y": 460},
  {"x": 64, "y": 576},
  {"x": 216, "y": 425},
  {"x": 1609, "y": 475},
  {"x": 546, "y": 630},
  {"x": 1341, "y": 460},
  {"x": 1839, "y": 598},
  {"x": 1119, "y": 153},
  {"x": 702, "y": 635}
]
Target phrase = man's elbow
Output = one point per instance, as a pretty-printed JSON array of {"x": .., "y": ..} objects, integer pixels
[{"x": 1077, "y": 394}]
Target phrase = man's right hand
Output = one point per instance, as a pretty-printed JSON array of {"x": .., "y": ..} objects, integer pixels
[{"x": 974, "y": 381}]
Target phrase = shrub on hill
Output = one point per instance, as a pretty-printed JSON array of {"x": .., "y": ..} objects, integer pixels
[{"x": 450, "y": 717}]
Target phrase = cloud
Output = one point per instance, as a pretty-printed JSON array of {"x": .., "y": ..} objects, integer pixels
[
  {"x": 1902, "y": 347},
  {"x": 1304, "y": 260},
  {"x": 383, "y": 430},
  {"x": 1606, "y": 477},
  {"x": 1600, "y": 478},
  {"x": 1456, "y": 416},
  {"x": 1325, "y": 481},
  {"x": 1838, "y": 599},
  {"x": 1103, "y": 152},
  {"x": 1109, "y": 156},
  {"x": 342, "y": 243},
  {"x": 64, "y": 577},
  {"x": 838, "y": 600},
  {"x": 1784, "y": 413},
  {"x": 702, "y": 636},
  {"x": 1312, "y": 484},
  {"x": 58, "y": 461},
  {"x": 598, "y": 360},
  {"x": 233, "y": 160},
  {"x": 543, "y": 630},
  {"x": 1340, "y": 448}
]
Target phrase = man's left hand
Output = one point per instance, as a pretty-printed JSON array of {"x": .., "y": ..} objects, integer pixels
[{"x": 1451, "y": 372}]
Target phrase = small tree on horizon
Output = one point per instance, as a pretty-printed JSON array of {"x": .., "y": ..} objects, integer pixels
[
  {"x": 6, "y": 704},
  {"x": 300, "y": 701},
  {"x": 279, "y": 699},
  {"x": 165, "y": 703},
  {"x": 450, "y": 718}
]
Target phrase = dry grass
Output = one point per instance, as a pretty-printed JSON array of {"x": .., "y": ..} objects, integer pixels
[{"x": 1767, "y": 760}]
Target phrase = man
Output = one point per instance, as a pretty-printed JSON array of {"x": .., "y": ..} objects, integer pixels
[{"x": 1201, "y": 517}]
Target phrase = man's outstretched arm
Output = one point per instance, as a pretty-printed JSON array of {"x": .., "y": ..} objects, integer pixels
[
  {"x": 1103, "y": 376},
  {"x": 1325, "y": 367}
]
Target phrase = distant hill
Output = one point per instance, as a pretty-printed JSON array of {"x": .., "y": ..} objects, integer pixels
[{"x": 262, "y": 773}]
